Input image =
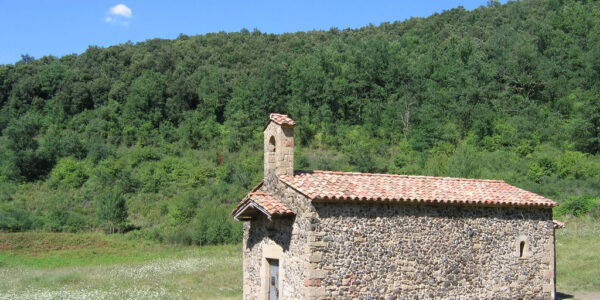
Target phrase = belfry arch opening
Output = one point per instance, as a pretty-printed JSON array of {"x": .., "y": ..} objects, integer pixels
[{"x": 272, "y": 144}]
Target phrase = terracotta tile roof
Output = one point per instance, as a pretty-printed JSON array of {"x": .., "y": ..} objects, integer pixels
[
  {"x": 263, "y": 202},
  {"x": 343, "y": 186},
  {"x": 282, "y": 119}
]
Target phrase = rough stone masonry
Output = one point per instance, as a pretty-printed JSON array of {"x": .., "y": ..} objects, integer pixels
[{"x": 339, "y": 235}]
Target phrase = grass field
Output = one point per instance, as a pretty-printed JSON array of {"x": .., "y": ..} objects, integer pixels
[
  {"x": 96, "y": 266},
  {"x": 578, "y": 257}
]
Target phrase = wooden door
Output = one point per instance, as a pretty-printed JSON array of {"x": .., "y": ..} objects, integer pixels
[{"x": 273, "y": 279}]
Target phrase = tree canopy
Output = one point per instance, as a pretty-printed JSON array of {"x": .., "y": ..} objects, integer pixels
[{"x": 504, "y": 91}]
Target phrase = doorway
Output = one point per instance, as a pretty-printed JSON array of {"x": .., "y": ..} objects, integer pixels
[{"x": 273, "y": 279}]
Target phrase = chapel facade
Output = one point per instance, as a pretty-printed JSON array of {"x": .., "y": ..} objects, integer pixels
[{"x": 341, "y": 235}]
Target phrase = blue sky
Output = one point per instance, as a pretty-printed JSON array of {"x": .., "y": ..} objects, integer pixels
[{"x": 58, "y": 27}]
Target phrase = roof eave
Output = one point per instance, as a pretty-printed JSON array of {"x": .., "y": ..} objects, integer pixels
[
  {"x": 250, "y": 204},
  {"x": 423, "y": 201}
]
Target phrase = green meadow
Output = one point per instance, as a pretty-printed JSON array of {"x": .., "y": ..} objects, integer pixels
[{"x": 96, "y": 266}]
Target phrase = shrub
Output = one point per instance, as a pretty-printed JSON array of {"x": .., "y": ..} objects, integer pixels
[
  {"x": 97, "y": 150},
  {"x": 56, "y": 220},
  {"x": 63, "y": 220},
  {"x": 574, "y": 164},
  {"x": 213, "y": 225},
  {"x": 542, "y": 167},
  {"x": 69, "y": 172},
  {"x": 225, "y": 173},
  {"x": 6, "y": 191},
  {"x": 112, "y": 210},
  {"x": 465, "y": 162},
  {"x": 578, "y": 205},
  {"x": 76, "y": 223},
  {"x": 185, "y": 208},
  {"x": 14, "y": 220},
  {"x": 182, "y": 236}
]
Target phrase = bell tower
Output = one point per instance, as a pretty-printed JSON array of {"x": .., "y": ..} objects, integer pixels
[{"x": 278, "y": 148}]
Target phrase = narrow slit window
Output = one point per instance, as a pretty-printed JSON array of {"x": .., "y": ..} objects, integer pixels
[{"x": 521, "y": 248}]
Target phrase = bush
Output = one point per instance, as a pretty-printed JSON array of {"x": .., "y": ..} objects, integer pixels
[
  {"x": 6, "y": 191},
  {"x": 213, "y": 225},
  {"x": 112, "y": 210},
  {"x": 578, "y": 206},
  {"x": 70, "y": 173},
  {"x": 465, "y": 162},
  {"x": 14, "y": 220},
  {"x": 181, "y": 236},
  {"x": 577, "y": 165},
  {"x": 540, "y": 168},
  {"x": 185, "y": 208},
  {"x": 65, "y": 221}
]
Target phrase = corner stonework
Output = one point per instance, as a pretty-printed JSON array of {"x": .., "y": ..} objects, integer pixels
[{"x": 313, "y": 275}]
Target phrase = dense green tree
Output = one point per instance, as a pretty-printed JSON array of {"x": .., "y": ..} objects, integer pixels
[{"x": 502, "y": 91}]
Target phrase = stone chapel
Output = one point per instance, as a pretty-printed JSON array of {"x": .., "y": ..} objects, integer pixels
[{"x": 340, "y": 235}]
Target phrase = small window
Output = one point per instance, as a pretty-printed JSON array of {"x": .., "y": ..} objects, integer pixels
[
  {"x": 272, "y": 144},
  {"x": 521, "y": 249}
]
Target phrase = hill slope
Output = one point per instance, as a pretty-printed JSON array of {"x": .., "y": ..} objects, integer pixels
[{"x": 169, "y": 131}]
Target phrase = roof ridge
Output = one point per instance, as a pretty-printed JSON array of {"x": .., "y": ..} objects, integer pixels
[{"x": 398, "y": 176}]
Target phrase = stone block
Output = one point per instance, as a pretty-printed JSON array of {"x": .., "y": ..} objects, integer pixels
[
  {"x": 314, "y": 274},
  {"x": 317, "y": 244},
  {"x": 316, "y": 257},
  {"x": 316, "y": 291},
  {"x": 312, "y": 282},
  {"x": 310, "y": 215},
  {"x": 548, "y": 259}
]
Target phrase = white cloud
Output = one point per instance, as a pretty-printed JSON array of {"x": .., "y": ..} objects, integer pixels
[
  {"x": 119, "y": 15},
  {"x": 120, "y": 10}
]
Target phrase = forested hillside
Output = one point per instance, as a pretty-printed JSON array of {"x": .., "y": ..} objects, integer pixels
[{"x": 165, "y": 136}]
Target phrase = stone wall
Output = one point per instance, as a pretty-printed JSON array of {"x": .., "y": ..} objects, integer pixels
[
  {"x": 291, "y": 234},
  {"x": 393, "y": 251},
  {"x": 260, "y": 235}
]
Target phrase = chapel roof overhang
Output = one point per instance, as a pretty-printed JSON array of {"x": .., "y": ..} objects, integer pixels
[
  {"x": 328, "y": 186},
  {"x": 260, "y": 203}
]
